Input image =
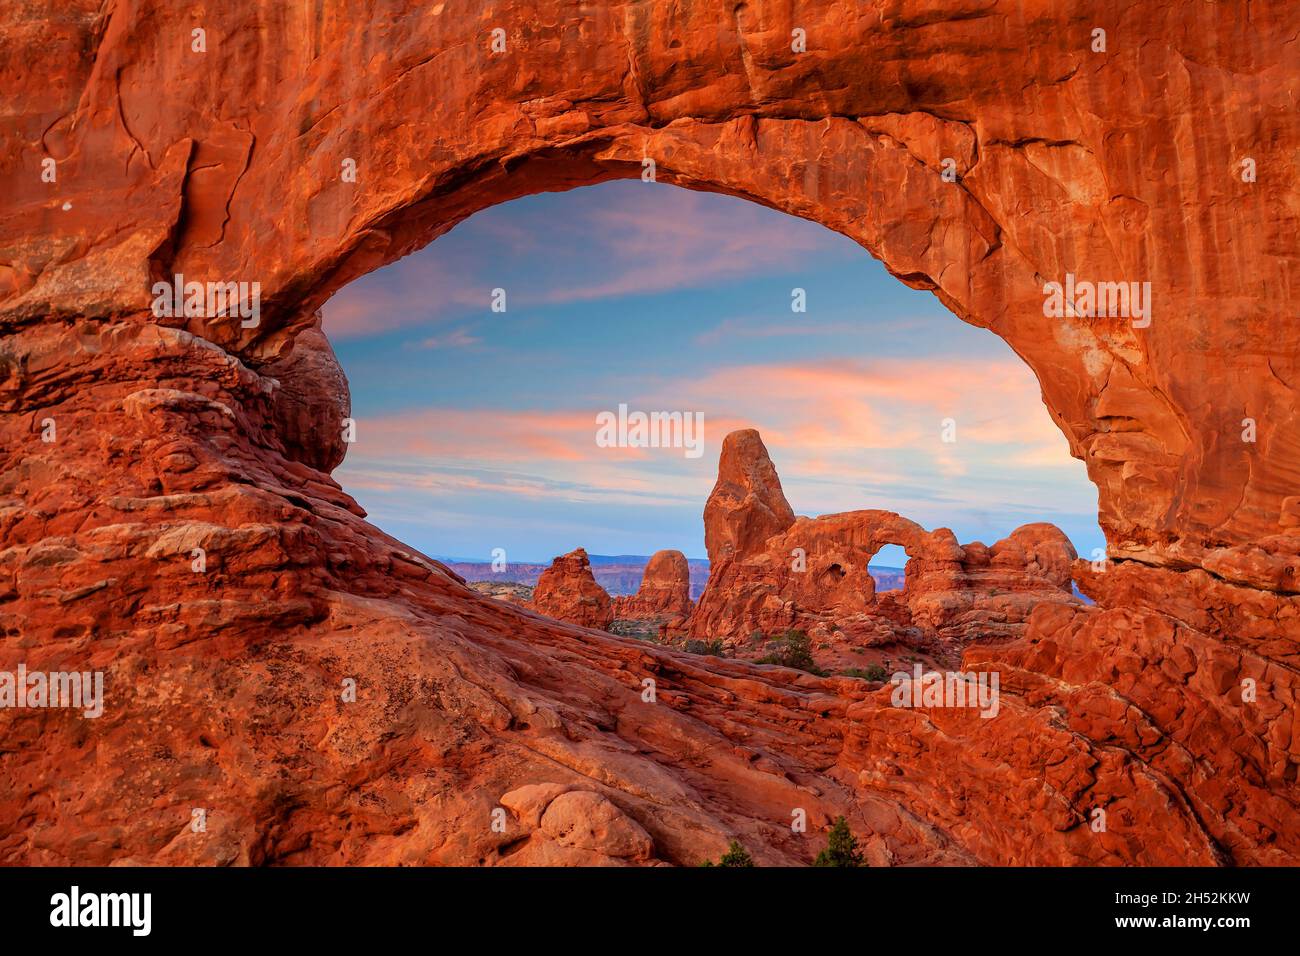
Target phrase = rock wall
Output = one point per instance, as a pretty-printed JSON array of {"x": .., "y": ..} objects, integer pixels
[{"x": 132, "y": 445}]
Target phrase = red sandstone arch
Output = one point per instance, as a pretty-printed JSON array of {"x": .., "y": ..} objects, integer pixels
[
  {"x": 440, "y": 127},
  {"x": 1122, "y": 165}
]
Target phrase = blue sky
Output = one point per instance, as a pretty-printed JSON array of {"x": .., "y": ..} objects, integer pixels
[{"x": 476, "y": 430}]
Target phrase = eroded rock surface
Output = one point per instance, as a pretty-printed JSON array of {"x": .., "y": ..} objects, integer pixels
[
  {"x": 747, "y": 505},
  {"x": 128, "y": 441},
  {"x": 312, "y": 403},
  {"x": 813, "y": 574}
]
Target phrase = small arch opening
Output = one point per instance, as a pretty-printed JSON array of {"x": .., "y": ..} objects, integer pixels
[{"x": 889, "y": 568}]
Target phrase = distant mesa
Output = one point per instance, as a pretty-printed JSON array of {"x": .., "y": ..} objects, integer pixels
[{"x": 618, "y": 574}]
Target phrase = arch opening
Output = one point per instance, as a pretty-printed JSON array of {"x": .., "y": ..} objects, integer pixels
[
  {"x": 481, "y": 368},
  {"x": 889, "y": 567}
]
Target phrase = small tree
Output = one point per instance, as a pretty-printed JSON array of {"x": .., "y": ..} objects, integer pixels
[
  {"x": 841, "y": 847},
  {"x": 736, "y": 855}
]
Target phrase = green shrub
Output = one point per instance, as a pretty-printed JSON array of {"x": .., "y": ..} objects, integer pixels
[
  {"x": 712, "y": 648},
  {"x": 875, "y": 672},
  {"x": 736, "y": 855},
  {"x": 792, "y": 649},
  {"x": 841, "y": 847}
]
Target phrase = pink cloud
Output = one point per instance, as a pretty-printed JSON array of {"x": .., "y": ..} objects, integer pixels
[
  {"x": 510, "y": 437},
  {"x": 480, "y": 434},
  {"x": 826, "y": 407},
  {"x": 671, "y": 239},
  {"x": 834, "y": 428},
  {"x": 417, "y": 292}
]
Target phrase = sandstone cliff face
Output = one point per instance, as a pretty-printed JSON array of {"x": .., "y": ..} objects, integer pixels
[
  {"x": 567, "y": 592},
  {"x": 130, "y": 442},
  {"x": 976, "y": 592},
  {"x": 664, "y": 596}
]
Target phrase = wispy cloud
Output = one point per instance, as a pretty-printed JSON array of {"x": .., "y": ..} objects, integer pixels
[
  {"x": 424, "y": 290},
  {"x": 731, "y": 330},
  {"x": 455, "y": 339},
  {"x": 509, "y": 436},
  {"x": 659, "y": 240},
  {"x": 841, "y": 431},
  {"x": 432, "y": 478},
  {"x": 670, "y": 239}
]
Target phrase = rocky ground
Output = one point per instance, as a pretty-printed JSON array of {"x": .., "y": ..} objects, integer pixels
[{"x": 504, "y": 591}]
